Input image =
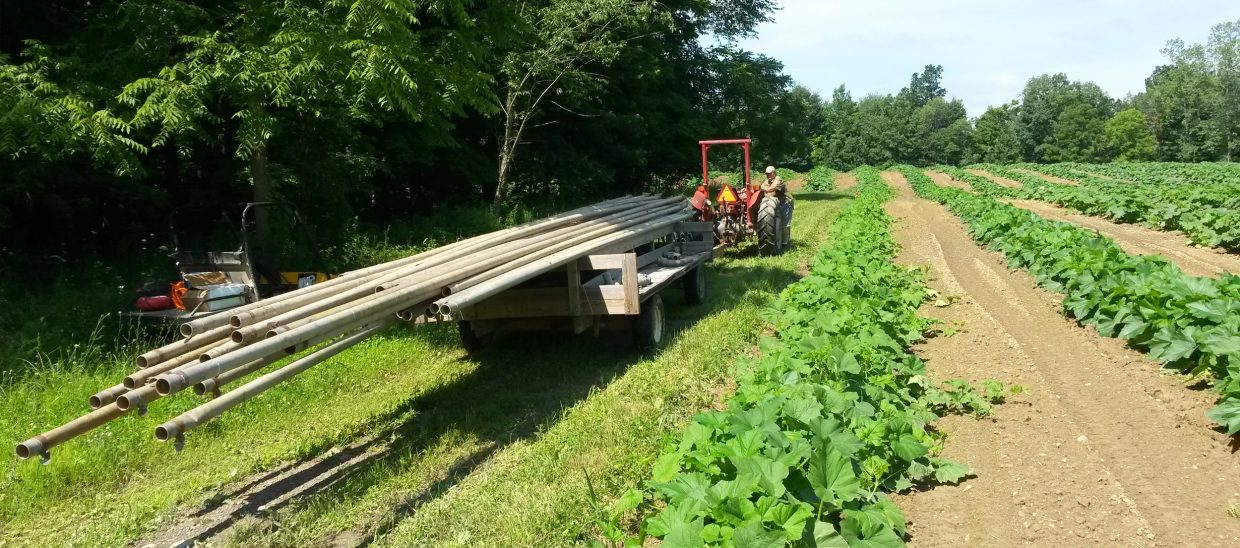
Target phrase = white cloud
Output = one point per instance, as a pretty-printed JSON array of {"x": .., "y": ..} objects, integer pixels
[{"x": 988, "y": 48}]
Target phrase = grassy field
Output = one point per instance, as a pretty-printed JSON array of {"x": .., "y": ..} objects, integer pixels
[{"x": 423, "y": 438}]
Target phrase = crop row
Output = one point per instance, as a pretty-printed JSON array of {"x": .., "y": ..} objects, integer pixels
[
  {"x": 1163, "y": 173},
  {"x": 833, "y": 415},
  {"x": 820, "y": 179},
  {"x": 1187, "y": 323},
  {"x": 1209, "y": 214}
]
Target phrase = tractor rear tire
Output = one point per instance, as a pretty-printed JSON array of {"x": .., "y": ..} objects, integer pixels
[
  {"x": 695, "y": 286},
  {"x": 649, "y": 328},
  {"x": 771, "y": 227}
]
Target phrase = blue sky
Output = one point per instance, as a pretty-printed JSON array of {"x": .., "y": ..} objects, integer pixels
[{"x": 988, "y": 48}]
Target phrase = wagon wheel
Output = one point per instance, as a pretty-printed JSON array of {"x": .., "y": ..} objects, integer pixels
[
  {"x": 695, "y": 286},
  {"x": 472, "y": 340},
  {"x": 649, "y": 328}
]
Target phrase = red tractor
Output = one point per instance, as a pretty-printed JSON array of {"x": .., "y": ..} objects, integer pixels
[{"x": 739, "y": 213}]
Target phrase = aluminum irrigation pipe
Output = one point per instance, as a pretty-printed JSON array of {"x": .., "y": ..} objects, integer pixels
[
  {"x": 213, "y": 384},
  {"x": 177, "y": 427},
  {"x": 627, "y": 221},
  {"x": 388, "y": 304},
  {"x": 40, "y": 444},
  {"x": 453, "y": 303},
  {"x": 180, "y": 347},
  {"x": 217, "y": 321},
  {"x": 287, "y": 310},
  {"x": 138, "y": 398},
  {"x": 356, "y": 277},
  {"x": 139, "y": 377},
  {"x": 104, "y": 397}
]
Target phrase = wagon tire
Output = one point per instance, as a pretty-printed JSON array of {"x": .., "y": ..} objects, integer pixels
[
  {"x": 695, "y": 286},
  {"x": 650, "y": 326}
]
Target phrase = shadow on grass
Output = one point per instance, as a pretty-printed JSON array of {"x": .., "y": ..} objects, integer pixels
[
  {"x": 522, "y": 385},
  {"x": 830, "y": 196}
]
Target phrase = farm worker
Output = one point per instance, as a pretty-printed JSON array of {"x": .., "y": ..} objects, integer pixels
[{"x": 774, "y": 184}]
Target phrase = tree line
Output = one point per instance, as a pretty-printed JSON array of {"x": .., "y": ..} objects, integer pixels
[
  {"x": 377, "y": 111},
  {"x": 1189, "y": 111},
  {"x": 112, "y": 113}
]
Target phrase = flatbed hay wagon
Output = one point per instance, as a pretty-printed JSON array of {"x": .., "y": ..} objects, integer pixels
[{"x": 619, "y": 289}]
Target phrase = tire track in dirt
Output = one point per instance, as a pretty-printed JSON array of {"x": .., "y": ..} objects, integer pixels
[
  {"x": 1001, "y": 181},
  {"x": 1139, "y": 240},
  {"x": 943, "y": 179},
  {"x": 1102, "y": 449},
  {"x": 845, "y": 180}
]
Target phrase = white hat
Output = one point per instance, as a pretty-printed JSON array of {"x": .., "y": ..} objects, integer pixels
[{"x": 770, "y": 169}]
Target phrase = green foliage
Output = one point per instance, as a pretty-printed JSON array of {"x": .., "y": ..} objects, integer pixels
[
  {"x": 916, "y": 126},
  {"x": 1193, "y": 103},
  {"x": 995, "y": 136},
  {"x": 820, "y": 179},
  {"x": 1128, "y": 137},
  {"x": 1059, "y": 118},
  {"x": 1187, "y": 323},
  {"x": 1077, "y": 135},
  {"x": 833, "y": 414},
  {"x": 1206, "y": 209}
]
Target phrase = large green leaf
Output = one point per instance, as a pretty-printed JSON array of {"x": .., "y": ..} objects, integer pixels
[
  {"x": 832, "y": 476},
  {"x": 754, "y": 535},
  {"x": 1171, "y": 345},
  {"x": 823, "y": 535},
  {"x": 908, "y": 448},
  {"x": 769, "y": 473},
  {"x": 1227, "y": 413}
]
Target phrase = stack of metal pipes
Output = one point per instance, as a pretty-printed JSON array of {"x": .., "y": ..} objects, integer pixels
[{"x": 322, "y": 320}]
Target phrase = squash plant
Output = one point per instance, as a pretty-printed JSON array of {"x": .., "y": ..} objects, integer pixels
[
  {"x": 834, "y": 414},
  {"x": 1187, "y": 323}
]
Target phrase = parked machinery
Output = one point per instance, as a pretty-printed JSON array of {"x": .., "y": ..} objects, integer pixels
[{"x": 744, "y": 211}]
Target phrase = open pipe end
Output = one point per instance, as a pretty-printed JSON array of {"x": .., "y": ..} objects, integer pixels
[
  {"x": 168, "y": 384},
  {"x": 131, "y": 383},
  {"x": 186, "y": 330},
  {"x": 204, "y": 387},
  {"x": 237, "y": 320},
  {"x": 29, "y": 448},
  {"x": 128, "y": 401},
  {"x": 237, "y": 337},
  {"x": 444, "y": 310},
  {"x": 96, "y": 402},
  {"x": 142, "y": 361},
  {"x": 167, "y": 431}
]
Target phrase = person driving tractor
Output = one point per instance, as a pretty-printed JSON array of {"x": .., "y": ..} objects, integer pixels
[{"x": 774, "y": 184}]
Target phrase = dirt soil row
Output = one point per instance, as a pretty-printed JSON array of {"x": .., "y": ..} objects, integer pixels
[
  {"x": 1137, "y": 239},
  {"x": 1001, "y": 181},
  {"x": 943, "y": 179},
  {"x": 1140, "y": 240},
  {"x": 845, "y": 180},
  {"x": 1102, "y": 448}
]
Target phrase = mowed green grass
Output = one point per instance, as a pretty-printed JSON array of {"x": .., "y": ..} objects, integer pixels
[{"x": 442, "y": 447}]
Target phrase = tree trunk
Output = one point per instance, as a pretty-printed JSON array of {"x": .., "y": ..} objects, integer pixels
[
  {"x": 263, "y": 190},
  {"x": 507, "y": 150}
]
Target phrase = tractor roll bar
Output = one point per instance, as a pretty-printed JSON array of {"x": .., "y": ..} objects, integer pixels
[{"x": 744, "y": 143}]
